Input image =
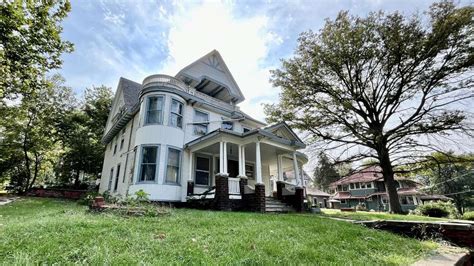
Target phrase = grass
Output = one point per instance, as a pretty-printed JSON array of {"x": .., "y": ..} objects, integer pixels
[
  {"x": 369, "y": 216},
  {"x": 47, "y": 231}
]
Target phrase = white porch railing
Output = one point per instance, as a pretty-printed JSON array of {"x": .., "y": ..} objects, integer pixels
[
  {"x": 234, "y": 186},
  {"x": 289, "y": 189}
]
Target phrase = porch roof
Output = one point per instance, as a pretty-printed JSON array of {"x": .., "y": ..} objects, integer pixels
[{"x": 262, "y": 132}]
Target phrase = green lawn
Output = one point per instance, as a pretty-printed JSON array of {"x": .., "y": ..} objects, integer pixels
[
  {"x": 52, "y": 231},
  {"x": 370, "y": 216}
]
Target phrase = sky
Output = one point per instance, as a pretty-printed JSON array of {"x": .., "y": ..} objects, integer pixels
[{"x": 135, "y": 39}]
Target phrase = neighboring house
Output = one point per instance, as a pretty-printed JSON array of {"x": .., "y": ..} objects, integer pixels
[
  {"x": 168, "y": 132},
  {"x": 367, "y": 188},
  {"x": 317, "y": 197}
]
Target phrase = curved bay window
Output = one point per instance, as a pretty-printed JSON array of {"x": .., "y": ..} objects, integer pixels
[
  {"x": 176, "y": 114},
  {"x": 148, "y": 164},
  {"x": 154, "y": 110}
]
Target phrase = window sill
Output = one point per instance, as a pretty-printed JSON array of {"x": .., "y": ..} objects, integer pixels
[{"x": 172, "y": 184}]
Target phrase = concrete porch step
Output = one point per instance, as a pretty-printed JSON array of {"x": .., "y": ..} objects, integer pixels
[{"x": 274, "y": 206}]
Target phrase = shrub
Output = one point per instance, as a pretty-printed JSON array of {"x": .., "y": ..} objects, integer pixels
[
  {"x": 468, "y": 216},
  {"x": 437, "y": 209},
  {"x": 86, "y": 199}
]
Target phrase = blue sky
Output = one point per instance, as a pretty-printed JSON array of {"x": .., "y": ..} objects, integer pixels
[{"x": 135, "y": 39}]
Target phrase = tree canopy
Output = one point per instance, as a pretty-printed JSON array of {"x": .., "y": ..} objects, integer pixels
[
  {"x": 325, "y": 173},
  {"x": 381, "y": 86},
  {"x": 31, "y": 45}
]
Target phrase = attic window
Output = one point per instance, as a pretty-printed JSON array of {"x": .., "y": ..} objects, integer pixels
[{"x": 229, "y": 125}]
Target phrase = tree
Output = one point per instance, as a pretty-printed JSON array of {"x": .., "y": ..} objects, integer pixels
[
  {"x": 81, "y": 132},
  {"x": 325, "y": 173},
  {"x": 31, "y": 45},
  {"x": 381, "y": 86},
  {"x": 29, "y": 133},
  {"x": 449, "y": 174}
]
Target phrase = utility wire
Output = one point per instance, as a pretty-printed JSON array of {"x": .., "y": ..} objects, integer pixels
[
  {"x": 471, "y": 190},
  {"x": 430, "y": 186}
]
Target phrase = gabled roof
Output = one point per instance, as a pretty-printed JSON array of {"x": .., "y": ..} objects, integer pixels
[
  {"x": 283, "y": 130},
  {"x": 316, "y": 192},
  {"x": 131, "y": 91},
  {"x": 217, "y": 71}
]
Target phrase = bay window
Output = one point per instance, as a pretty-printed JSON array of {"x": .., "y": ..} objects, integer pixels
[
  {"x": 173, "y": 165},
  {"x": 148, "y": 164},
  {"x": 176, "y": 114},
  {"x": 154, "y": 110}
]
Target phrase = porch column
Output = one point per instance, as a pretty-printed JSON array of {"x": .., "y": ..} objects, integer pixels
[
  {"x": 225, "y": 158},
  {"x": 258, "y": 163},
  {"x": 240, "y": 160},
  {"x": 280, "y": 167},
  {"x": 302, "y": 176},
  {"x": 296, "y": 171},
  {"x": 243, "y": 161}
]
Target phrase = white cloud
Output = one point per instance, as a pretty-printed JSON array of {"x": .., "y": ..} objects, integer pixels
[{"x": 243, "y": 43}]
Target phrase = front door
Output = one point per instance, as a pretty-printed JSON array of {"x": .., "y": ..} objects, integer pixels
[{"x": 232, "y": 167}]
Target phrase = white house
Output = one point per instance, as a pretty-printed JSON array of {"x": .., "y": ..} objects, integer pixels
[{"x": 168, "y": 131}]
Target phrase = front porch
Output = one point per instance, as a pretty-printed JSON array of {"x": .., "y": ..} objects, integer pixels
[{"x": 242, "y": 171}]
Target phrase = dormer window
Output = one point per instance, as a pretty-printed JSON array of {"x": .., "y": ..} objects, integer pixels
[
  {"x": 229, "y": 125},
  {"x": 154, "y": 110},
  {"x": 176, "y": 114}
]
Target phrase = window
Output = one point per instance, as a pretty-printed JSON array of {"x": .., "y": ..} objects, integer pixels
[
  {"x": 384, "y": 200},
  {"x": 362, "y": 185},
  {"x": 109, "y": 187},
  {"x": 246, "y": 129},
  {"x": 202, "y": 174},
  {"x": 249, "y": 171},
  {"x": 148, "y": 164},
  {"x": 229, "y": 125},
  {"x": 407, "y": 200},
  {"x": 203, "y": 119},
  {"x": 344, "y": 188},
  {"x": 110, "y": 145},
  {"x": 352, "y": 185},
  {"x": 369, "y": 185},
  {"x": 154, "y": 110},
  {"x": 357, "y": 185},
  {"x": 339, "y": 188},
  {"x": 176, "y": 114},
  {"x": 172, "y": 168},
  {"x": 122, "y": 140},
  {"x": 117, "y": 174},
  {"x": 343, "y": 201},
  {"x": 115, "y": 145}
]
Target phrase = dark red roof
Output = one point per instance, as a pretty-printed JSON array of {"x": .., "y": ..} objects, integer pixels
[{"x": 368, "y": 174}]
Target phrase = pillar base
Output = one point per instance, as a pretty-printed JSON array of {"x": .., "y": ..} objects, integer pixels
[
  {"x": 222, "y": 192},
  {"x": 299, "y": 199},
  {"x": 260, "y": 197}
]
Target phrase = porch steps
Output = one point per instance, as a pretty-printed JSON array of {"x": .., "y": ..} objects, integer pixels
[{"x": 273, "y": 205}]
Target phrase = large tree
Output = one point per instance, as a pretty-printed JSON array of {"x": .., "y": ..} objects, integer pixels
[
  {"x": 81, "y": 132},
  {"x": 325, "y": 173},
  {"x": 29, "y": 133},
  {"x": 31, "y": 45},
  {"x": 380, "y": 86}
]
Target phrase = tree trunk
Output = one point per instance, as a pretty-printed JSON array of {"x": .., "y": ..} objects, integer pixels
[{"x": 389, "y": 180}]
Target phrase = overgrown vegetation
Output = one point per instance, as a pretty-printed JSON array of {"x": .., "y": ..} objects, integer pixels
[
  {"x": 437, "y": 209},
  {"x": 49, "y": 231}
]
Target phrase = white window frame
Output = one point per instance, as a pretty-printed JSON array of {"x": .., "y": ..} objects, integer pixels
[
  {"x": 157, "y": 160},
  {"x": 178, "y": 178},
  {"x": 197, "y": 123},
  {"x": 147, "y": 106},
  {"x": 177, "y": 114}
]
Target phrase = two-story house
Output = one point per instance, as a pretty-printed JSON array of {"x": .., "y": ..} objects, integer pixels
[
  {"x": 366, "y": 187},
  {"x": 167, "y": 132}
]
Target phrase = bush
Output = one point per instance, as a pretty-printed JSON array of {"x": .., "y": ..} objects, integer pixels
[
  {"x": 468, "y": 216},
  {"x": 437, "y": 209}
]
